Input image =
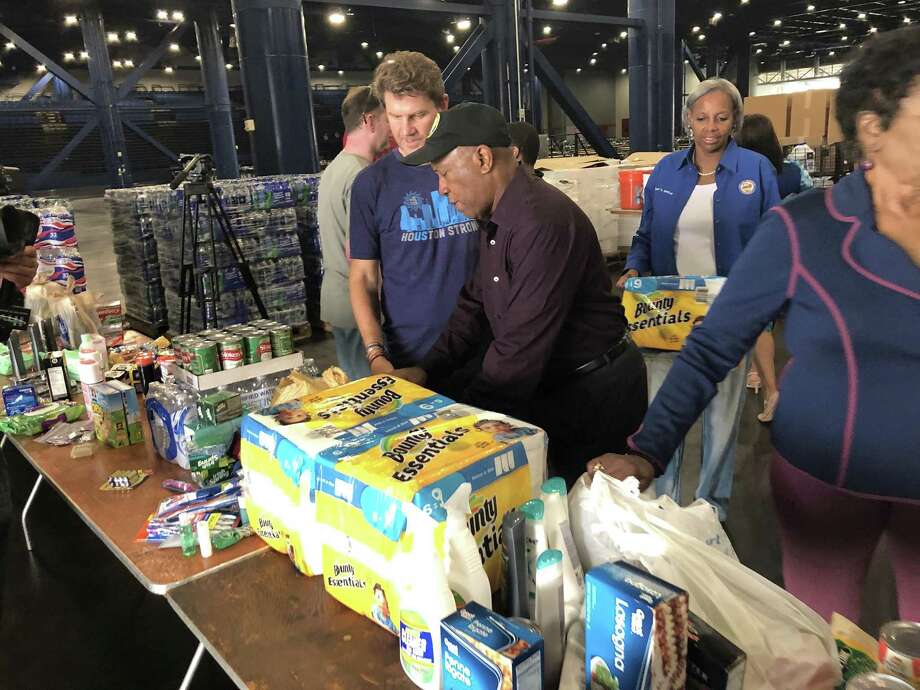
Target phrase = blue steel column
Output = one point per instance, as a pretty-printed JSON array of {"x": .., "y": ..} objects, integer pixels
[
  {"x": 499, "y": 56},
  {"x": 217, "y": 96},
  {"x": 643, "y": 87},
  {"x": 275, "y": 69},
  {"x": 100, "y": 72},
  {"x": 665, "y": 65}
]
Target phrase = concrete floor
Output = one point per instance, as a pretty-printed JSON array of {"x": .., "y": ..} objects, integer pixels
[{"x": 71, "y": 616}]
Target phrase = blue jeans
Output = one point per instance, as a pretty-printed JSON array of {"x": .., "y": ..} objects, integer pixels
[
  {"x": 349, "y": 348},
  {"x": 721, "y": 420}
]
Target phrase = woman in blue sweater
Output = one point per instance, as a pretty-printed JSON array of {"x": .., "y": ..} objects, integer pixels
[{"x": 845, "y": 265}]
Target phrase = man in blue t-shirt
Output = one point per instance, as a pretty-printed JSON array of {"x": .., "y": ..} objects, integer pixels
[{"x": 409, "y": 245}]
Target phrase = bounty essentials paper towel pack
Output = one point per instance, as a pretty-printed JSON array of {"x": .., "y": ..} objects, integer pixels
[
  {"x": 328, "y": 476},
  {"x": 662, "y": 311}
]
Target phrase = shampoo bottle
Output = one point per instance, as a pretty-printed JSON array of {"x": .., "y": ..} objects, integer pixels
[
  {"x": 549, "y": 614},
  {"x": 558, "y": 535},
  {"x": 465, "y": 573},
  {"x": 535, "y": 540},
  {"x": 424, "y": 600}
]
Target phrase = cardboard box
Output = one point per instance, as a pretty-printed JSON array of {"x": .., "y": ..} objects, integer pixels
[
  {"x": 834, "y": 132},
  {"x": 808, "y": 115},
  {"x": 635, "y": 630},
  {"x": 643, "y": 159},
  {"x": 713, "y": 662},
  {"x": 116, "y": 414},
  {"x": 775, "y": 107},
  {"x": 480, "y": 649},
  {"x": 574, "y": 163},
  {"x": 219, "y": 407}
]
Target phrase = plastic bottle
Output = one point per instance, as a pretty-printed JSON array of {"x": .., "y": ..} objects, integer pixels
[
  {"x": 556, "y": 519},
  {"x": 549, "y": 614},
  {"x": 424, "y": 600},
  {"x": 204, "y": 538},
  {"x": 93, "y": 343},
  {"x": 535, "y": 536},
  {"x": 465, "y": 572},
  {"x": 187, "y": 535}
]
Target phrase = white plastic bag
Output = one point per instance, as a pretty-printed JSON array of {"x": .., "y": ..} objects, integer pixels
[
  {"x": 787, "y": 644},
  {"x": 73, "y": 314}
]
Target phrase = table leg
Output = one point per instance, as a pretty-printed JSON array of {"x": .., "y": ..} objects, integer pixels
[
  {"x": 3, "y": 441},
  {"x": 25, "y": 512},
  {"x": 192, "y": 667}
]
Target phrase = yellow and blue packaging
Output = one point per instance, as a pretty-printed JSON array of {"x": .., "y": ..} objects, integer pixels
[
  {"x": 662, "y": 311},
  {"x": 327, "y": 477}
]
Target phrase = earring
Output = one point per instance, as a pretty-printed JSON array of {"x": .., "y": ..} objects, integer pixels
[{"x": 866, "y": 165}]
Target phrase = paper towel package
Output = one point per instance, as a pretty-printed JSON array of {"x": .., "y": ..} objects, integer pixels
[
  {"x": 328, "y": 476},
  {"x": 662, "y": 311}
]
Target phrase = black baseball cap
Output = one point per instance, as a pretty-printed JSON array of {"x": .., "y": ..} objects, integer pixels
[{"x": 467, "y": 124}]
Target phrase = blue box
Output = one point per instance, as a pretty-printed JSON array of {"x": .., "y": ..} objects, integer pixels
[
  {"x": 635, "y": 630},
  {"x": 481, "y": 650},
  {"x": 19, "y": 399}
]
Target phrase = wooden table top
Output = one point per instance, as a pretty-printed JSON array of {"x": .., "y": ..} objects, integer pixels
[
  {"x": 271, "y": 628},
  {"x": 117, "y": 516}
]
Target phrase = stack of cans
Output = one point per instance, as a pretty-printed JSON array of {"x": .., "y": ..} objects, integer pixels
[{"x": 233, "y": 346}]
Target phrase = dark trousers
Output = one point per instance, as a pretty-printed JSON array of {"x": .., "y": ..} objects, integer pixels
[{"x": 593, "y": 414}]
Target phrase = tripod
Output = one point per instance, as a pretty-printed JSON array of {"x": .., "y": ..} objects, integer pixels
[{"x": 195, "y": 279}]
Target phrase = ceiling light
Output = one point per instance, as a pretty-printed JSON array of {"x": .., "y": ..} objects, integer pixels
[
  {"x": 560, "y": 3},
  {"x": 716, "y": 16},
  {"x": 116, "y": 64},
  {"x": 178, "y": 16},
  {"x": 777, "y": 22},
  {"x": 578, "y": 70},
  {"x": 130, "y": 36},
  {"x": 842, "y": 26},
  {"x": 456, "y": 49},
  {"x": 752, "y": 34},
  {"x": 197, "y": 58},
  {"x": 624, "y": 34},
  {"x": 745, "y": 2},
  {"x": 9, "y": 45},
  {"x": 603, "y": 46},
  {"x": 168, "y": 70},
  {"x": 844, "y": 38},
  {"x": 810, "y": 8},
  {"x": 341, "y": 72},
  {"x": 758, "y": 51},
  {"x": 129, "y": 63},
  {"x": 464, "y": 25},
  {"x": 907, "y": 20},
  {"x": 873, "y": 29},
  {"x": 701, "y": 37},
  {"x": 686, "y": 62},
  {"x": 832, "y": 53},
  {"x": 69, "y": 57},
  {"x": 695, "y": 30},
  {"x": 449, "y": 37},
  {"x": 379, "y": 54},
  {"x": 84, "y": 55},
  {"x": 364, "y": 44},
  {"x": 623, "y": 70},
  {"x": 547, "y": 30},
  {"x": 861, "y": 15},
  {"x": 174, "y": 47},
  {"x": 41, "y": 69},
  {"x": 592, "y": 61},
  {"x": 336, "y": 18},
  {"x": 593, "y": 54},
  {"x": 112, "y": 37},
  {"x": 228, "y": 66},
  {"x": 162, "y": 14},
  {"x": 785, "y": 43},
  {"x": 321, "y": 68},
  {"x": 70, "y": 20}
]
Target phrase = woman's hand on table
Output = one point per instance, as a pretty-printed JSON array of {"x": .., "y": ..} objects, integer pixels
[
  {"x": 623, "y": 466},
  {"x": 415, "y": 375},
  {"x": 381, "y": 365},
  {"x": 631, "y": 273}
]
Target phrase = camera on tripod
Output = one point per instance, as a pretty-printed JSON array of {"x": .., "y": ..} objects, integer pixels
[{"x": 197, "y": 168}]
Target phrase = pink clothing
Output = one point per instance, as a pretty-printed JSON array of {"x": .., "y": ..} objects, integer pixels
[{"x": 829, "y": 536}]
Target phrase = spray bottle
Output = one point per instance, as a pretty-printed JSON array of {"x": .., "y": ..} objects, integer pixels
[
  {"x": 559, "y": 536},
  {"x": 535, "y": 540},
  {"x": 465, "y": 572},
  {"x": 424, "y": 600},
  {"x": 549, "y": 614}
]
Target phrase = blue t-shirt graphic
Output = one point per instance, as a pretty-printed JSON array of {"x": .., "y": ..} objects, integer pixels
[{"x": 427, "y": 250}]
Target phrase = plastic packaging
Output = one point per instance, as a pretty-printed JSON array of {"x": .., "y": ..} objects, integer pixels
[
  {"x": 550, "y": 614},
  {"x": 187, "y": 535},
  {"x": 93, "y": 342},
  {"x": 535, "y": 540},
  {"x": 559, "y": 536},
  {"x": 466, "y": 574},
  {"x": 514, "y": 564},
  {"x": 203, "y": 531},
  {"x": 425, "y": 599}
]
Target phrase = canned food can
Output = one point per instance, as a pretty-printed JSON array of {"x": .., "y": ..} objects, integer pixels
[
  {"x": 208, "y": 333},
  {"x": 899, "y": 651},
  {"x": 232, "y": 353},
  {"x": 258, "y": 346},
  {"x": 282, "y": 338},
  {"x": 204, "y": 358},
  {"x": 168, "y": 362},
  {"x": 877, "y": 681}
]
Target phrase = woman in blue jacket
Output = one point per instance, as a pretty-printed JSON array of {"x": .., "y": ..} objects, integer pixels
[
  {"x": 845, "y": 265},
  {"x": 701, "y": 209}
]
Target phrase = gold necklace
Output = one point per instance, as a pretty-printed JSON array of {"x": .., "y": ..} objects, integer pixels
[{"x": 701, "y": 173}]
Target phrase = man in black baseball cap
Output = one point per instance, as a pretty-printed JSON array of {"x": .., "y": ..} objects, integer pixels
[{"x": 540, "y": 303}]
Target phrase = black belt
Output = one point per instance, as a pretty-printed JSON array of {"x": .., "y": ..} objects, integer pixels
[{"x": 603, "y": 360}]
